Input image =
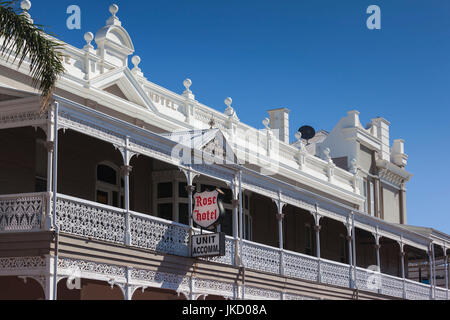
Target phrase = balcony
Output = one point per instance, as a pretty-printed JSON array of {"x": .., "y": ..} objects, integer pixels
[{"x": 28, "y": 213}]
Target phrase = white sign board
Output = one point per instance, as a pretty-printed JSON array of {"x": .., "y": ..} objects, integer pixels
[
  {"x": 208, "y": 245},
  {"x": 206, "y": 211}
]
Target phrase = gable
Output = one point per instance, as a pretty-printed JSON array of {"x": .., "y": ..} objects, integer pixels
[
  {"x": 115, "y": 90},
  {"x": 121, "y": 83}
]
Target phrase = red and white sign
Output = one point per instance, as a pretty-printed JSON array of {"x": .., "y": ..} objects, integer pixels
[{"x": 206, "y": 211}]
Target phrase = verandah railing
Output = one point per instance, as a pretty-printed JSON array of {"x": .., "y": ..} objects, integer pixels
[{"x": 21, "y": 213}]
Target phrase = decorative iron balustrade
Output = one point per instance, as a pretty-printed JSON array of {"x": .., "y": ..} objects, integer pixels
[
  {"x": 417, "y": 291},
  {"x": 90, "y": 220},
  {"x": 21, "y": 213}
]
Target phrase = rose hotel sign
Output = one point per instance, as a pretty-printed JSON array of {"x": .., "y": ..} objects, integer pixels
[
  {"x": 206, "y": 214},
  {"x": 206, "y": 210}
]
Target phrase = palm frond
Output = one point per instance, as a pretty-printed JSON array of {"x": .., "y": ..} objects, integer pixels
[{"x": 23, "y": 40}]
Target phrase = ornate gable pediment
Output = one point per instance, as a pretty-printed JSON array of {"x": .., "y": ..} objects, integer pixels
[
  {"x": 123, "y": 84},
  {"x": 211, "y": 143}
]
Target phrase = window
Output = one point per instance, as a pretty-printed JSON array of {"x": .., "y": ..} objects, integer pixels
[
  {"x": 165, "y": 190},
  {"x": 109, "y": 186}
]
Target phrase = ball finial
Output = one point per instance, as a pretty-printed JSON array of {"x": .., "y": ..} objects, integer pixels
[
  {"x": 298, "y": 136},
  {"x": 187, "y": 84},
  {"x": 88, "y": 37},
  {"x": 114, "y": 8},
  {"x": 136, "y": 60},
  {"x": 25, "y": 5},
  {"x": 228, "y": 102}
]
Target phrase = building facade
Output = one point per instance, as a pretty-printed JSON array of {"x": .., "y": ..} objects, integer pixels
[{"x": 96, "y": 195}]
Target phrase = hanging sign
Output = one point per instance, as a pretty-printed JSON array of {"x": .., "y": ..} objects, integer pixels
[
  {"x": 208, "y": 245},
  {"x": 207, "y": 209}
]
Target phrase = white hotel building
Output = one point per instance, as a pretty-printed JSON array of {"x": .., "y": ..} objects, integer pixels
[{"x": 91, "y": 191}]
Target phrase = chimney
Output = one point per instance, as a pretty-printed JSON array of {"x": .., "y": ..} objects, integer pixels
[
  {"x": 279, "y": 120},
  {"x": 382, "y": 131},
  {"x": 399, "y": 157}
]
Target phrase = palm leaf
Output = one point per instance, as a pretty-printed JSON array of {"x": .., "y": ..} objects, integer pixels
[{"x": 23, "y": 40}]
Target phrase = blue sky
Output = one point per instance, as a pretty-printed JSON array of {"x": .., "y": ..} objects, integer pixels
[{"x": 315, "y": 57}]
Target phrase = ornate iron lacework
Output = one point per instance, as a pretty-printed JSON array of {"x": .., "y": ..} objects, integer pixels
[
  {"x": 155, "y": 151},
  {"x": 213, "y": 287},
  {"x": 70, "y": 121},
  {"x": 65, "y": 264},
  {"x": 441, "y": 294},
  {"x": 161, "y": 279},
  {"x": 288, "y": 296},
  {"x": 159, "y": 236},
  {"x": 261, "y": 294},
  {"x": 228, "y": 259},
  {"x": 365, "y": 280},
  {"x": 300, "y": 267},
  {"x": 20, "y": 263},
  {"x": 22, "y": 117},
  {"x": 417, "y": 291},
  {"x": 261, "y": 258},
  {"x": 21, "y": 214},
  {"x": 391, "y": 286},
  {"x": 90, "y": 221},
  {"x": 334, "y": 274}
]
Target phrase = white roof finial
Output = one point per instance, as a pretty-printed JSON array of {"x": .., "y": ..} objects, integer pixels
[
  {"x": 188, "y": 93},
  {"x": 25, "y": 5},
  {"x": 136, "y": 60},
  {"x": 88, "y": 37},
  {"x": 230, "y": 112},
  {"x": 114, "y": 8},
  {"x": 228, "y": 102},
  {"x": 113, "y": 20}
]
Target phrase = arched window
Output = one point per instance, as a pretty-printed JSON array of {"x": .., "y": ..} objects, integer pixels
[{"x": 109, "y": 186}]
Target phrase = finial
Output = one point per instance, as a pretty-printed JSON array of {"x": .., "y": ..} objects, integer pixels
[
  {"x": 136, "y": 60},
  {"x": 188, "y": 93},
  {"x": 25, "y": 5},
  {"x": 298, "y": 136},
  {"x": 113, "y": 9},
  {"x": 113, "y": 20},
  {"x": 230, "y": 112},
  {"x": 187, "y": 84},
  {"x": 327, "y": 153},
  {"x": 88, "y": 37},
  {"x": 228, "y": 102},
  {"x": 266, "y": 123}
]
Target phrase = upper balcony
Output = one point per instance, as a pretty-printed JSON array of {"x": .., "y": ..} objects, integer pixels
[{"x": 85, "y": 219}]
